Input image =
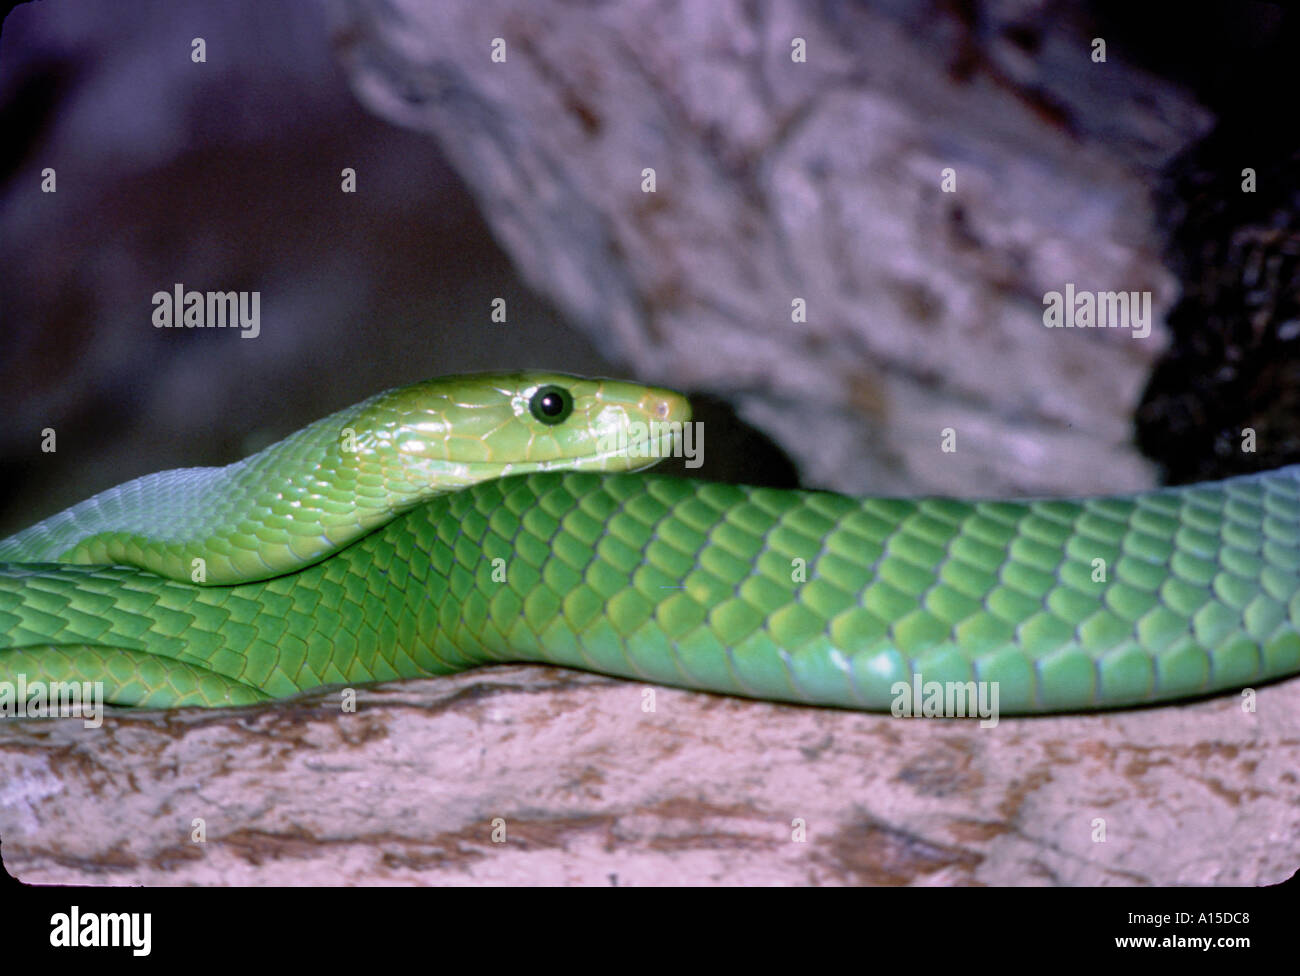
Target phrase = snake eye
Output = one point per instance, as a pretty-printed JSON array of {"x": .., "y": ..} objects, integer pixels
[{"x": 551, "y": 404}]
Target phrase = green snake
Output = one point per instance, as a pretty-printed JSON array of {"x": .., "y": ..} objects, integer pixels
[{"x": 481, "y": 519}]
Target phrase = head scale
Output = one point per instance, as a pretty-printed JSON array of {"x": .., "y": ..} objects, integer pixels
[{"x": 447, "y": 433}]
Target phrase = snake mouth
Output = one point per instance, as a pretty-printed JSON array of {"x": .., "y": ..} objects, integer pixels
[
  {"x": 632, "y": 456},
  {"x": 635, "y": 454}
]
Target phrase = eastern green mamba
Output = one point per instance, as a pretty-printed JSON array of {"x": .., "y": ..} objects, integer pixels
[{"x": 475, "y": 519}]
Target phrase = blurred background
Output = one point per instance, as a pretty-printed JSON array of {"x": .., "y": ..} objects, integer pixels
[{"x": 777, "y": 178}]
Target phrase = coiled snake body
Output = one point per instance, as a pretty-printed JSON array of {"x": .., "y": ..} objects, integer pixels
[{"x": 474, "y": 519}]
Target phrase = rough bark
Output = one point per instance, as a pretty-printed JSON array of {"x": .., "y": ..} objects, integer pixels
[{"x": 593, "y": 789}]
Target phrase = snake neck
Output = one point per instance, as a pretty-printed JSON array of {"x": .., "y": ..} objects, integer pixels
[{"x": 275, "y": 512}]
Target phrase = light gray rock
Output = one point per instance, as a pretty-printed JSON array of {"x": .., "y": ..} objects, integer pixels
[{"x": 821, "y": 181}]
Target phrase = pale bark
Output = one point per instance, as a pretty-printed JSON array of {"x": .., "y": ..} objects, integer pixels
[{"x": 591, "y": 788}]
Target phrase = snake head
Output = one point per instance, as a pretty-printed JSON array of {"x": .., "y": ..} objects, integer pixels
[
  {"x": 447, "y": 433},
  {"x": 328, "y": 484}
]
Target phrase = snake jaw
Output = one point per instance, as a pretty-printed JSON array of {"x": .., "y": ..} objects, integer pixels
[{"x": 634, "y": 457}]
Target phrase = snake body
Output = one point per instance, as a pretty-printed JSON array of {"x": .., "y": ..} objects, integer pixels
[{"x": 464, "y": 527}]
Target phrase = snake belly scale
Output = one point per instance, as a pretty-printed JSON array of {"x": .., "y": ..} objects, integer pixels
[{"x": 511, "y": 532}]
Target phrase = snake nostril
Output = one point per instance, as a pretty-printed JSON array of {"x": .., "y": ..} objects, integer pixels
[{"x": 662, "y": 409}]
